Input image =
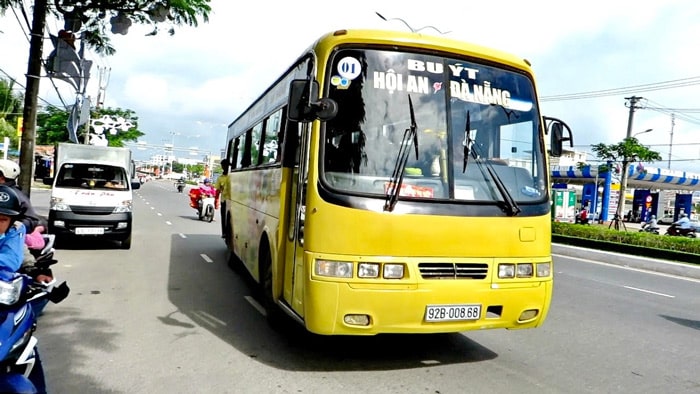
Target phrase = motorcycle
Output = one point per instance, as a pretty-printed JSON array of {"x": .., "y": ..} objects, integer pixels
[
  {"x": 649, "y": 229},
  {"x": 20, "y": 366},
  {"x": 673, "y": 230},
  {"x": 205, "y": 207},
  {"x": 180, "y": 186}
]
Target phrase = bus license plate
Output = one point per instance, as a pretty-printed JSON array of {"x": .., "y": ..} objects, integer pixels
[
  {"x": 439, "y": 313},
  {"x": 89, "y": 230}
]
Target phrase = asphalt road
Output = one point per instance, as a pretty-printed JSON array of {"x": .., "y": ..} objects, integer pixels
[{"x": 169, "y": 316}]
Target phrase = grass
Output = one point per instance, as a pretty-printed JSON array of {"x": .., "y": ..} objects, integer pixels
[{"x": 646, "y": 240}]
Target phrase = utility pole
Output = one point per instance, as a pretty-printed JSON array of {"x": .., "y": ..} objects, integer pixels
[
  {"x": 623, "y": 180},
  {"x": 36, "y": 42}
]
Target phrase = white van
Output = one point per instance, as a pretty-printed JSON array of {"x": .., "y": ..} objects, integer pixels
[{"x": 92, "y": 193}]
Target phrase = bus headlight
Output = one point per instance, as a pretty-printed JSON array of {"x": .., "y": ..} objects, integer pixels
[
  {"x": 336, "y": 269},
  {"x": 368, "y": 270},
  {"x": 506, "y": 271},
  {"x": 525, "y": 270},
  {"x": 544, "y": 269},
  {"x": 393, "y": 271}
]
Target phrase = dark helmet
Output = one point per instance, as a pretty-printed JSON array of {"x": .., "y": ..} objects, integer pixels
[{"x": 9, "y": 202}]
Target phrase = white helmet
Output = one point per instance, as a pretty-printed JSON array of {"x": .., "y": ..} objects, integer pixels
[{"x": 9, "y": 169}]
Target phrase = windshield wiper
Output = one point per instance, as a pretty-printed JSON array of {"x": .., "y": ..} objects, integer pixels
[
  {"x": 467, "y": 143},
  {"x": 511, "y": 207},
  {"x": 409, "y": 135}
]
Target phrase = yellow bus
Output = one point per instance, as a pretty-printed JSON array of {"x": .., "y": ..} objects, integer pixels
[{"x": 393, "y": 182}]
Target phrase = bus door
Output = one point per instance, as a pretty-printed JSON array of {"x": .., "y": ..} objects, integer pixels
[{"x": 294, "y": 247}]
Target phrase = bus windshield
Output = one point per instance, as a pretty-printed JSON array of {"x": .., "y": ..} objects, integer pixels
[{"x": 474, "y": 122}]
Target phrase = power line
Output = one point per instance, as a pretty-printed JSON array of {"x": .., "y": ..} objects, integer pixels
[{"x": 676, "y": 83}]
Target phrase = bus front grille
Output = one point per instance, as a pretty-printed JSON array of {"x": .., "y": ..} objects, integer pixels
[{"x": 453, "y": 270}]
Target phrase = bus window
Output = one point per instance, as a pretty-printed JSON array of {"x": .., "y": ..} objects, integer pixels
[
  {"x": 273, "y": 124},
  {"x": 237, "y": 155},
  {"x": 256, "y": 136}
]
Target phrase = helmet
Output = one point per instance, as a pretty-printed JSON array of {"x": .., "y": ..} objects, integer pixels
[
  {"x": 653, "y": 216},
  {"x": 9, "y": 169},
  {"x": 9, "y": 202},
  {"x": 683, "y": 215},
  {"x": 206, "y": 180}
]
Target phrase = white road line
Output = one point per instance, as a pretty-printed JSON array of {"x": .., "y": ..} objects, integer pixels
[
  {"x": 628, "y": 268},
  {"x": 206, "y": 258},
  {"x": 183, "y": 236},
  {"x": 160, "y": 214},
  {"x": 256, "y": 305},
  {"x": 168, "y": 223},
  {"x": 649, "y": 291},
  {"x": 153, "y": 207}
]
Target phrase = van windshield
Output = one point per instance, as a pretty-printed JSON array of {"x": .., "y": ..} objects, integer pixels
[{"x": 92, "y": 176}]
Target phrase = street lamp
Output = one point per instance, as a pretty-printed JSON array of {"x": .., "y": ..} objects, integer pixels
[{"x": 642, "y": 132}]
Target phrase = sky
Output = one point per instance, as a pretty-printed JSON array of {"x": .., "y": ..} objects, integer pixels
[{"x": 188, "y": 87}]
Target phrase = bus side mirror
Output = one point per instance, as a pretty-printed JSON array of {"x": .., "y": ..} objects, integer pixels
[
  {"x": 556, "y": 132},
  {"x": 304, "y": 105}
]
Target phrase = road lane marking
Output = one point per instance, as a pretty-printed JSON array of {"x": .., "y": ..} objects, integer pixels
[
  {"x": 256, "y": 305},
  {"x": 206, "y": 258},
  {"x": 628, "y": 268},
  {"x": 183, "y": 236},
  {"x": 153, "y": 207},
  {"x": 649, "y": 291},
  {"x": 168, "y": 223},
  {"x": 160, "y": 214}
]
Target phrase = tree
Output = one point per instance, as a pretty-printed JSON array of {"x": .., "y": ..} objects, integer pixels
[
  {"x": 88, "y": 19},
  {"x": 626, "y": 152},
  {"x": 51, "y": 126},
  {"x": 10, "y": 106}
]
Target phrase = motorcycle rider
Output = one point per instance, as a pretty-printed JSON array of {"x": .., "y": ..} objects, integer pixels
[
  {"x": 650, "y": 225},
  {"x": 681, "y": 226},
  {"x": 12, "y": 246},
  {"x": 204, "y": 190},
  {"x": 9, "y": 171},
  {"x": 12, "y": 231},
  {"x": 180, "y": 184}
]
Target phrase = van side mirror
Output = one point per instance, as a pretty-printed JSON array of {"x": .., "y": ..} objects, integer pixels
[
  {"x": 303, "y": 104},
  {"x": 555, "y": 128}
]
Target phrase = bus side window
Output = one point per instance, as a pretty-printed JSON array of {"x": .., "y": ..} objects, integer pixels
[
  {"x": 237, "y": 155},
  {"x": 270, "y": 147},
  {"x": 246, "y": 159}
]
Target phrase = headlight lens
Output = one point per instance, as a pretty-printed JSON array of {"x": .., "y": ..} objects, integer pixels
[
  {"x": 393, "y": 271},
  {"x": 336, "y": 269},
  {"x": 125, "y": 206},
  {"x": 57, "y": 204},
  {"x": 525, "y": 270},
  {"x": 544, "y": 269},
  {"x": 368, "y": 270},
  {"x": 506, "y": 271},
  {"x": 10, "y": 291}
]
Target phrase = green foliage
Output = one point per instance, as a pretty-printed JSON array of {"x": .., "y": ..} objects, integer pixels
[
  {"x": 52, "y": 126},
  {"x": 602, "y": 233},
  {"x": 93, "y": 18},
  {"x": 627, "y": 151},
  {"x": 10, "y": 108}
]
